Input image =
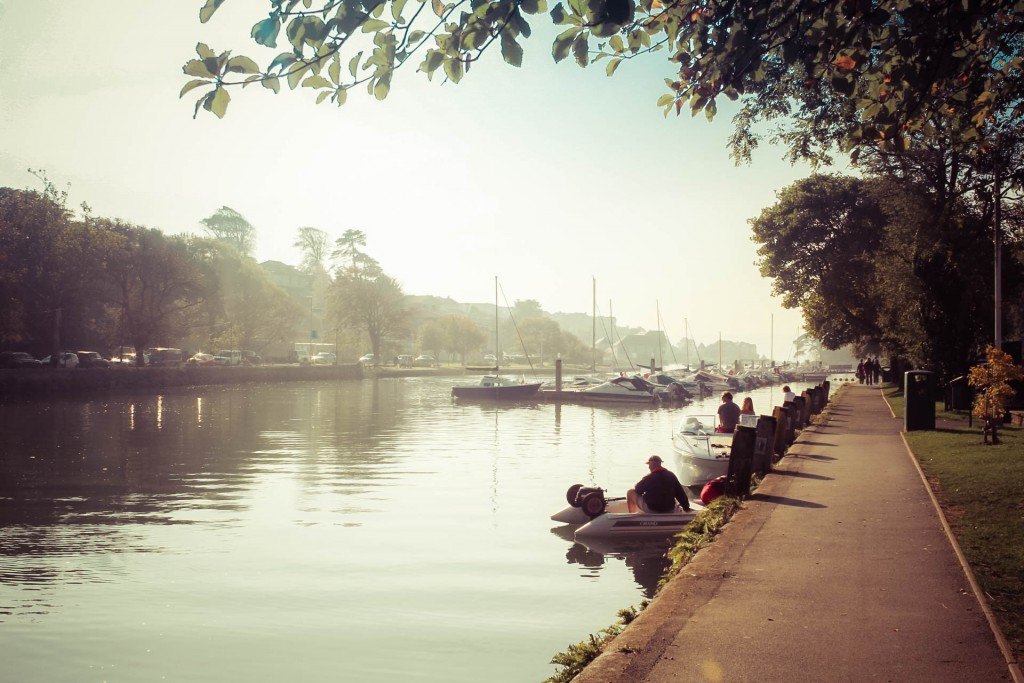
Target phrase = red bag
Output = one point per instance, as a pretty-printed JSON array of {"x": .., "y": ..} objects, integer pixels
[{"x": 713, "y": 489}]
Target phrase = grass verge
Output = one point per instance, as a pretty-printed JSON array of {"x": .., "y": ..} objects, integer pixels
[{"x": 981, "y": 490}]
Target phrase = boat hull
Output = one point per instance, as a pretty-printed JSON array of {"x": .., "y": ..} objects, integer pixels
[
  {"x": 499, "y": 393},
  {"x": 616, "y": 522}
]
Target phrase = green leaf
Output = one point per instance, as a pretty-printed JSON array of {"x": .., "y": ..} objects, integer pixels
[
  {"x": 612, "y": 66},
  {"x": 316, "y": 82},
  {"x": 453, "y": 69},
  {"x": 341, "y": 94},
  {"x": 208, "y": 9},
  {"x": 204, "y": 51},
  {"x": 416, "y": 36},
  {"x": 665, "y": 99},
  {"x": 272, "y": 84},
  {"x": 372, "y": 25},
  {"x": 511, "y": 50},
  {"x": 334, "y": 70},
  {"x": 581, "y": 50},
  {"x": 396, "y": 10},
  {"x": 242, "y": 64},
  {"x": 195, "y": 67},
  {"x": 265, "y": 32},
  {"x": 218, "y": 104},
  {"x": 560, "y": 48},
  {"x": 380, "y": 91},
  {"x": 295, "y": 76},
  {"x": 353, "y": 64},
  {"x": 192, "y": 85},
  {"x": 323, "y": 96},
  {"x": 711, "y": 110},
  {"x": 432, "y": 61},
  {"x": 616, "y": 44}
]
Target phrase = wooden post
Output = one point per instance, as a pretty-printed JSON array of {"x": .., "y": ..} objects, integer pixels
[
  {"x": 791, "y": 418},
  {"x": 781, "y": 415},
  {"x": 827, "y": 386},
  {"x": 558, "y": 374},
  {"x": 800, "y": 408},
  {"x": 764, "y": 446},
  {"x": 741, "y": 459}
]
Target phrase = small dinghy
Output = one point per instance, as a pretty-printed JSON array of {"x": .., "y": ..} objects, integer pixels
[{"x": 599, "y": 517}]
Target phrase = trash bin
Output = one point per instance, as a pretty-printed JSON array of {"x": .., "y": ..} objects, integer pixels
[
  {"x": 919, "y": 397},
  {"x": 959, "y": 394}
]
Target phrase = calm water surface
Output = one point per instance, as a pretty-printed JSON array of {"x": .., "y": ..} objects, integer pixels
[{"x": 368, "y": 530}]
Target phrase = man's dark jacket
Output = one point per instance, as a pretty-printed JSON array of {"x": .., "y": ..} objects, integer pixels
[{"x": 660, "y": 490}]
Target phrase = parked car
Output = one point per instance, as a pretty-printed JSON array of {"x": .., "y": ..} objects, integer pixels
[
  {"x": 65, "y": 360},
  {"x": 18, "y": 359},
  {"x": 91, "y": 359},
  {"x": 324, "y": 358},
  {"x": 425, "y": 361},
  {"x": 368, "y": 358},
  {"x": 251, "y": 358},
  {"x": 490, "y": 358},
  {"x": 201, "y": 359},
  {"x": 227, "y": 357},
  {"x": 165, "y": 357},
  {"x": 406, "y": 361}
]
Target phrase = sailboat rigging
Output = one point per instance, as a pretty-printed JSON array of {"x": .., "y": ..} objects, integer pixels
[{"x": 495, "y": 387}]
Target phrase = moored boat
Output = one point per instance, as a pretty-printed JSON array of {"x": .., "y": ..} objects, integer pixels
[
  {"x": 497, "y": 388},
  {"x": 701, "y": 453},
  {"x": 615, "y": 521}
]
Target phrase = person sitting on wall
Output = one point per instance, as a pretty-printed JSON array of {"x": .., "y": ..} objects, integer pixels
[
  {"x": 748, "y": 407},
  {"x": 658, "y": 491},
  {"x": 787, "y": 394},
  {"x": 728, "y": 415}
]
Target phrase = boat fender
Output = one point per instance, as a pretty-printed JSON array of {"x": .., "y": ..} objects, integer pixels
[
  {"x": 713, "y": 489},
  {"x": 571, "y": 494},
  {"x": 593, "y": 503}
]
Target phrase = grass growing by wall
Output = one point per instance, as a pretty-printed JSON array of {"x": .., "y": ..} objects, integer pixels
[{"x": 698, "y": 534}]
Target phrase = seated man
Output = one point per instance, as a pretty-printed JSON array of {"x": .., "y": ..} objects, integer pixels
[
  {"x": 728, "y": 415},
  {"x": 658, "y": 491}
]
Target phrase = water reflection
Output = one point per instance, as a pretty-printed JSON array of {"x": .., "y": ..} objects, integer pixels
[{"x": 322, "y": 521}]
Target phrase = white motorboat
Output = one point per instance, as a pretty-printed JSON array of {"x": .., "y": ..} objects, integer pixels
[
  {"x": 616, "y": 521},
  {"x": 598, "y": 517},
  {"x": 622, "y": 390},
  {"x": 701, "y": 453}
]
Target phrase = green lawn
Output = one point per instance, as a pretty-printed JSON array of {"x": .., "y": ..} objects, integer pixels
[{"x": 981, "y": 489}]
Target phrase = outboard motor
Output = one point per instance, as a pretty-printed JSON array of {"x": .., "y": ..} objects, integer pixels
[{"x": 590, "y": 499}]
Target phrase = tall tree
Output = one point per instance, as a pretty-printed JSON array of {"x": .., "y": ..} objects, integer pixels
[
  {"x": 230, "y": 227},
  {"x": 371, "y": 302},
  {"x": 462, "y": 336},
  {"x": 156, "y": 280},
  {"x": 315, "y": 247}
]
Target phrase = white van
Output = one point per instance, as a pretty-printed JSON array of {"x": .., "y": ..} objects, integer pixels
[{"x": 232, "y": 357}]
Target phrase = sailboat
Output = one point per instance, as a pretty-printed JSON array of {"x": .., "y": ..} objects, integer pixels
[{"x": 495, "y": 387}]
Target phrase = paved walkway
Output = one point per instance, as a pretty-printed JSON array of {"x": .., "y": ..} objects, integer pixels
[{"x": 837, "y": 570}]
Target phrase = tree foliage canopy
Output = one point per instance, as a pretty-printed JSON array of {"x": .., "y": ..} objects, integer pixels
[
  {"x": 228, "y": 226},
  {"x": 892, "y": 67}
]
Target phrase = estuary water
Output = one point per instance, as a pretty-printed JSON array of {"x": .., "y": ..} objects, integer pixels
[{"x": 364, "y": 530}]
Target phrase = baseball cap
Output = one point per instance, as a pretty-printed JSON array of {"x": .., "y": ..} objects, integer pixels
[{"x": 656, "y": 459}]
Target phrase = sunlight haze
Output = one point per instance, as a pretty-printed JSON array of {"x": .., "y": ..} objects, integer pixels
[{"x": 545, "y": 176}]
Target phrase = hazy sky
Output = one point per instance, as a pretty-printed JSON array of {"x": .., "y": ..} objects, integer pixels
[{"x": 545, "y": 175}]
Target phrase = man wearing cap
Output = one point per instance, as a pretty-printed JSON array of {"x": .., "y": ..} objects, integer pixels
[{"x": 658, "y": 491}]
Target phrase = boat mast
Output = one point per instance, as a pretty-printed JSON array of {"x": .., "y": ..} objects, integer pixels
[
  {"x": 657, "y": 313},
  {"x": 593, "y": 320},
  {"x": 720, "y": 368},
  {"x": 497, "y": 351},
  {"x": 772, "y": 352},
  {"x": 686, "y": 332}
]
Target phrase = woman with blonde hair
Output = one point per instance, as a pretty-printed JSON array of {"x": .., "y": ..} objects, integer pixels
[{"x": 748, "y": 406}]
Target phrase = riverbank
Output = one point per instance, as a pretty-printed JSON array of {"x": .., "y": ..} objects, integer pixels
[
  {"x": 837, "y": 568},
  {"x": 58, "y": 382}
]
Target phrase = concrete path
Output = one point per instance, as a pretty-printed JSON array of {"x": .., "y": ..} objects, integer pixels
[{"x": 836, "y": 570}]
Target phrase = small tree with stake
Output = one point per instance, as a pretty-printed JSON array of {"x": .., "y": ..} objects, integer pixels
[{"x": 992, "y": 379}]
